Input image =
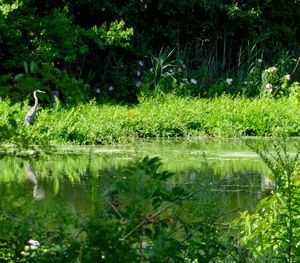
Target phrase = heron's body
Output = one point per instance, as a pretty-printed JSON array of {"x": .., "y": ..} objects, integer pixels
[{"x": 31, "y": 113}]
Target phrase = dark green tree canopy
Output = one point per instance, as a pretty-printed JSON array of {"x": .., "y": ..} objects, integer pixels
[{"x": 100, "y": 41}]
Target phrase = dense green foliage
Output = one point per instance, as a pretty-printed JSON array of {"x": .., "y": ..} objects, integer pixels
[
  {"x": 189, "y": 68},
  {"x": 111, "y": 47},
  {"x": 140, "y": 213},
  {"x": 272, "y": 233},
  {"x": 137, "y": 213},
  {"x": 169, "y": 116}
]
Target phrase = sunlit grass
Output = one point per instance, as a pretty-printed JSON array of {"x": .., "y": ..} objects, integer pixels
[{"x": 169, "y": 116}]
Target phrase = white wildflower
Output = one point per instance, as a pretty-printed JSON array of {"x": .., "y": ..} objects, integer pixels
[
  {"x": 287, "y": 77},
  {"x": 269, "y": 87},
  {"x": 33, "y": 243},
  {"x": 138, "y": 83},
  {"x": 111, "y": 88},
  {"x": 138, "y": 73},
  {"x": 229, "y": 81},
  {"x": 245, "y": 82},
  {"x": 98, "y": 90},
  {"x": 184, "y": 79},
  {"x": 183, "y": 66},
  {"x": 140, "y": 63},
  {"x": 259, "y": 60},
  {"x": 193, "y": 81},
  {"x": 271, "y": 69}
]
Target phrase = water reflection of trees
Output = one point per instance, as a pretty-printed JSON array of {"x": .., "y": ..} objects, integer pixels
[{"x": 107, "y": 213}]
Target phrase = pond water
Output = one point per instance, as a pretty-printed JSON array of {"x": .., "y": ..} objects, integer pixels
[
  {"x": 53, "y": 195},
  {"x": 68, "y": 170}
]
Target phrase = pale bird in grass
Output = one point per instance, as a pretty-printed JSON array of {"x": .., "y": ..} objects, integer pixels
[{"x": 31, "y": 113}]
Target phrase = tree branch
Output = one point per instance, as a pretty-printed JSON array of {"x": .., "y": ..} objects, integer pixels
[{"x": 181, "y": 199}]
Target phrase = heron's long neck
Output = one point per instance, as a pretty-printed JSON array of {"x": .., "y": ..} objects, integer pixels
[{"x": 35, "y": 100}]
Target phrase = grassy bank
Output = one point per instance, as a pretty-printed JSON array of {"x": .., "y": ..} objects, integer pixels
[{"x": 169, "y": 116}]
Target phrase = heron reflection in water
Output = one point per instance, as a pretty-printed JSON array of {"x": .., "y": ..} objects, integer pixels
[{"x": 38, "y": 193}]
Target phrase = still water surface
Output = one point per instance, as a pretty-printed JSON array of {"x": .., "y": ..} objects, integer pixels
[
  {"x": 73, "y": 181},
  {"x": 69, "y": 174}
]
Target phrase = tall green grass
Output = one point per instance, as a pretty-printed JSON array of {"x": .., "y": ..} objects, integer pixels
[{"x": 168, "y": 116}]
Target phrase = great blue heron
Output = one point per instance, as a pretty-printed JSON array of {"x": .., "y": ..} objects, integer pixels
[{"x": 31, "y": 113}]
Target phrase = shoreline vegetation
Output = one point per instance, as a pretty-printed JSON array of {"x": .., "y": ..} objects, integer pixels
[
  {"x": 150, "y": 69},
  {"x": 159, "y": 117},
  {"x": 181, "y": 222}
]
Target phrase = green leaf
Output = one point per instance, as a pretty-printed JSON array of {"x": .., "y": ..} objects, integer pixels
[{"x": 18, "y": 76}]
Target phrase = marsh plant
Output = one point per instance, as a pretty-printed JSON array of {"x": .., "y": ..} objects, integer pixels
[
  {"x": 276, "y": 81},
  {"x": 158, "y": 80},
  {"x": 275, "y": 84},
  {"x": 295, "y": 93},
  {"x": 169, "y": 74},
  {"x": 12, "y": 129},
  {"x": 272, "y": 233},
  {"x": 166, "y": 116},
  {"x": 270, "y": 79}
]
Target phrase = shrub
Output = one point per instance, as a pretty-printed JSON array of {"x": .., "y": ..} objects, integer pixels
[{"x": 272, "y": 232}]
